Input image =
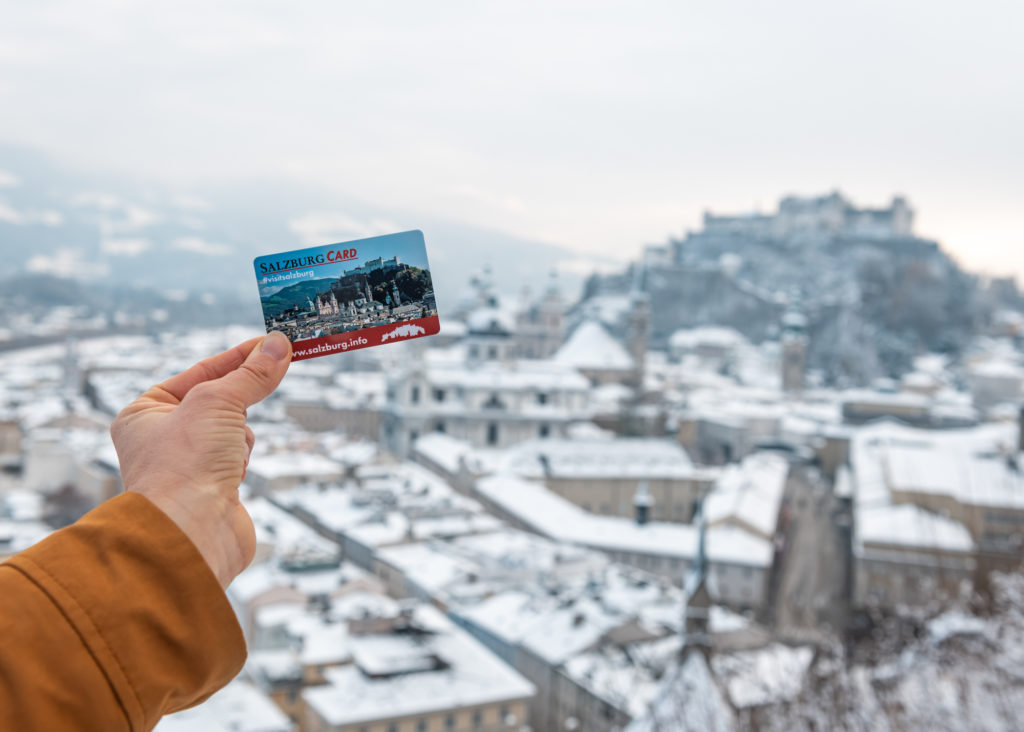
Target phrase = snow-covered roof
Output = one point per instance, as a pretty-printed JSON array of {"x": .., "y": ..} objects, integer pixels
[
  {"x": 261, "y": 578},
  {"x": 971, "y": 466},
  {"x": 997, "y": 368},
  {"x": 399, "y": 676},
  {"x": 287, "y": 535},
  {"x": 238, "y": 707},
  {"x": 689, "y": 338},
  {"x": 569, "y": 630},
  {"x": 491, "y": 321},
  {"x": 16, "y": 536},
  {"x": 591, "y": 346},
  {"x": 911, "y": 526},
  {"x": 444, "y": 450},
  {"x": 522, "y": 376},
  {"x": 622, "y": 457},
  {"x": 431, "y": 570},
  {"x": 619, "y": 677},
  {"x": 298, "y": 464},
  {"x": 551, "y": 515},
  {"x": 749, "y": 493}
]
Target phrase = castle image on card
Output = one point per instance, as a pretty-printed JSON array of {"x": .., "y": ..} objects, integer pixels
[{"x": 349, "y": 295}]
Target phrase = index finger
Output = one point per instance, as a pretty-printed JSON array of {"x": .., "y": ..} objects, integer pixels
[{"x": 208, "y": 369}]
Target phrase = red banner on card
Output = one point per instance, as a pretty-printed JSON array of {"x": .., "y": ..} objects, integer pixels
[{"x": 366, "y": 337}]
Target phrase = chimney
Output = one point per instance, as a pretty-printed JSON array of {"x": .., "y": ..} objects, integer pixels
[{"x": 642, "y": 503}]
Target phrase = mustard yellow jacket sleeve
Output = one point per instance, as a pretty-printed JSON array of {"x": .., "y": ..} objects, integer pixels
[{"x": 111, "y": 623}]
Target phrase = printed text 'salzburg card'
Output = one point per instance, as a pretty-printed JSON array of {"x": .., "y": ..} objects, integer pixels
[{"x": 351, "y": 295}]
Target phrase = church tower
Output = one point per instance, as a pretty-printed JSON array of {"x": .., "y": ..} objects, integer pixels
[
  {"x": 697, "y": 616},
  {"x": 794, "y": 350},
  {"x": 639, "y": 325},
  {"x": 552, "y": 318}
]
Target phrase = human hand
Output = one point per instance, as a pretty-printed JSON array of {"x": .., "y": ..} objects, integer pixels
[{"x": 184, "y": 444}]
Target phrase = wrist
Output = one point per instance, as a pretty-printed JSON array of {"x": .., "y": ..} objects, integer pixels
[{"x": 207, "y": 522}]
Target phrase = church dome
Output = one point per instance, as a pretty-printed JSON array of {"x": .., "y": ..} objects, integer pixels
[{"x": 490, "y": 321}]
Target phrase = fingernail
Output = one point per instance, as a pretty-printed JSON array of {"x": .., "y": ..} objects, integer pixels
[{"x": 275, "y": 345}]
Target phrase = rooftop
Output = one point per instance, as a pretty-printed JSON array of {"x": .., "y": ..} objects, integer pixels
[
  {"x": 626, "y": 457},
  {"x": 399, "y": 676},
  {"x": 238, "y": 707},
  {"x": 591, "y": 346},
  {"x": 553, "y": 516}
]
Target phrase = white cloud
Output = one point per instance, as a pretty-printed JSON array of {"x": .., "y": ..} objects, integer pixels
[
  {"x": 125, "y": 247},
  {"x": 328, "y": 227},
  {"x": 8, "y": 179},
  {"x": 10, "y": 215},
  {"x": 66, "y": 263},
  {"x": 188, "y": 202},
  {"x": 98, "y": 199},
  {"x": 202, "y": 246},
  {"x": 48, "y": 217},
  {"x": 117, "y": 215}
]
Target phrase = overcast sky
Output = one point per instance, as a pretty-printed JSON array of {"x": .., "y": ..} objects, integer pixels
[{"x": 599, "y": 126}]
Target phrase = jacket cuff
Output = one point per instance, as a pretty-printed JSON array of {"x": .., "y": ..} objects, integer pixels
[{"x": 145, "y": 603}]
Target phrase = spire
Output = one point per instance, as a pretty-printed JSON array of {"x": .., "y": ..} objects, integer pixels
[
  {"x": 696, "y": 619},
  {"x": 700, "y": 562}
]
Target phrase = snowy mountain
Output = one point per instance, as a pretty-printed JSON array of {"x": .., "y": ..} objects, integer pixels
[{"x": 109, "y": 230}]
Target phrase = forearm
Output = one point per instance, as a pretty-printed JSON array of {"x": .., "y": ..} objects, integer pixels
[{"x": 111, "y": 623}]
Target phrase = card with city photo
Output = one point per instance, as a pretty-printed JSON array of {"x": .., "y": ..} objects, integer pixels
[{"x": 341, "y": 297}]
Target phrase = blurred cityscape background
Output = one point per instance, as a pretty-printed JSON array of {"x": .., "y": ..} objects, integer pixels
[{"x": 724, "y": 428}]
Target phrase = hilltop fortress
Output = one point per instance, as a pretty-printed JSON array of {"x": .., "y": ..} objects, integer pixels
[{"x": 831, "y": 214}]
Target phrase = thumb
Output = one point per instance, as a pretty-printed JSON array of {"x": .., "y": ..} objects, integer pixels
[{"x": 260, "y": 373}]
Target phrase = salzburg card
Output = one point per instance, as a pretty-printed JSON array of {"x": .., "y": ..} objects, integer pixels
[{"x": 356, "y": 294}]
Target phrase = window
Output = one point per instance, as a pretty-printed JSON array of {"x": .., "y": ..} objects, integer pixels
[
  {"x": 438, "y": 395},
  {"x": 421, "y": 726},
  {"x": 413, "y": 436},
  {"x": 449, "y": 722},
  {"x": 542, "y": 398},
  {"x": 492, "y": 434},
  {"x": 478, "y": 718},
  {"x": 439, "y": 427},
  {"x": 414, "y": 395},
  {"x": 544, "y": 430},
  {"x": 492, "y": 352},
  {"x": 392, "y": 727}
]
